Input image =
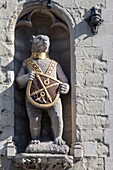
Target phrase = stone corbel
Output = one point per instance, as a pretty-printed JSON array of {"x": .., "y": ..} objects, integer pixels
[{"x": 94, "y": 20}]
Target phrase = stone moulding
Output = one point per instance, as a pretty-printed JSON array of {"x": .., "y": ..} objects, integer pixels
[{"x": 43, "y": 161}]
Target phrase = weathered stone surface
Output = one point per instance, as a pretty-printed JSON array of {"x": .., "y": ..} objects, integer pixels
[
  {"x": 94, "y": 79},
  {"x": 92, "y": 134},
  {"x": 40, "y": 161},
  {"x": 89, "y": 149},
  {"x": 100, "y": 67},
  {"x": 109, "y": 163},
  {"x": 94, "y": 107},
  {"x": 92, "y": 93},
  {"x": 102, "y": 150},
  {"x": 95, "y": 163},
  {"x": 107, "y": 15},
  {"x": 91, "y": 121},
  {"x": 47, "y": 148}
]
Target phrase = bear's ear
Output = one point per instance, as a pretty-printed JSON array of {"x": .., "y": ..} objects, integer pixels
[{"x": 32, "y": 38}]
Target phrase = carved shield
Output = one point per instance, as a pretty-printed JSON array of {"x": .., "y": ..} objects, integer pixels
[{"x": 43, "y": 91}]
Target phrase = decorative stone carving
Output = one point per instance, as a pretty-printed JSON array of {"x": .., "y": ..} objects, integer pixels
[
  {"x": 94, "y": 20},
  {"x": 43, "y": 161},
  {"x": 45, "y": 80}
]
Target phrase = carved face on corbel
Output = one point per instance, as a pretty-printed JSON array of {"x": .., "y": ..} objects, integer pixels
[{"x": 40, "y": 43}]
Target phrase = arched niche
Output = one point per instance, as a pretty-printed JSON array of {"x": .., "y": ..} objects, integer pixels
[{"x": 58, "y": 24}]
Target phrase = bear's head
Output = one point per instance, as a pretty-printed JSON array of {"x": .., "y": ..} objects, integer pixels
[{"x": 40, "y": 43}]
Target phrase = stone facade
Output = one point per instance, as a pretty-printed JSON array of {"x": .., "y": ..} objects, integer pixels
[{"x": 93, "y": 72}]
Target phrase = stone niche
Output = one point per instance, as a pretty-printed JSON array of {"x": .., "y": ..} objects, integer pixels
[{"x": 57, "y": 24}]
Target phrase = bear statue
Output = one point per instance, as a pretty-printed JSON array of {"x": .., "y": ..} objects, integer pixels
[{"x": 44, "y": 80}]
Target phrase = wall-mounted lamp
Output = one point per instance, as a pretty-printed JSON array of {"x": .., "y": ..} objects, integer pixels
[
  {"x": 3, "y": 5},
  {"x": 94, "y": 20}
]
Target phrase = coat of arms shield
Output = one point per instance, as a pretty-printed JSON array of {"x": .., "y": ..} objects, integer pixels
[{"x": 43, "y": 91}]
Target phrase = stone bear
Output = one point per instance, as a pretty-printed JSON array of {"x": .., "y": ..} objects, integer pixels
[{"x": 39, "y": 50}]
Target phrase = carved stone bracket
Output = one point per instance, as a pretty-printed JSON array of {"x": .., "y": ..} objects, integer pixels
[
  {"x": 94, "y": 20},
  {"x": 43, "y": 161}
]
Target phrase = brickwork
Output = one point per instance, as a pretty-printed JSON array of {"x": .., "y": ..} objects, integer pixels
[{"x": 94, "y": 79}]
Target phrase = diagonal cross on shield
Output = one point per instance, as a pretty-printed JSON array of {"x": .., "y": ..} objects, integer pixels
[{"x": 43, "y": 90}]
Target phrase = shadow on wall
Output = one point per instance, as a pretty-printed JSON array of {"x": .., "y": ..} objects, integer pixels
[{"x": 83, "y": 30}]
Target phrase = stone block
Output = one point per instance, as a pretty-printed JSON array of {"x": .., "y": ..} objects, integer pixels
[
  {"x": 85, "y": 121},
  {"x": 80, "y": 79},
  {"x": 108, "y": 136},
  {"x": 105, "y": 29},
  {"x": 94, "y": 79},
  {"x": 88, "y": 121},
  {"x": 96, "y": 93},
  {"x": 110, "y": 90},
  {"x": 102, "y": 121},
  {"x": 107, "y": 15},
  {"x": 79, "y": 52},
  {"x": 92, "y": 93},
  {"x": 108, "y": 53},
  {"x": 84, "y": 66},
  {"x": 4, "y": 20},
  {"x": 89, "y": 149},
  {"x": 5, "y": 50},
  {"x": 103, "y": 41},
  {"x": 92, "y": 134},
  {"x": 110, "y": 67},
  {"x": 95, "y": 163},
  {"x": 109, "y": 4},
  {"x": 111, "y": 149},
  {"x": 80, "y": 165},
  {"x": 109, "y": 108},
  {"x": 109, "y": 163},
  {"x": 80, "y": 107},
  {"x": 100, "y": 67},
  {"x": 102, "y": 150},
  {"x": 94, "y": 107},
  {"x": 93, "y": 52},
  {"x": 111, "y": 121},
  {"x": 108, "y": 81},
  {"x": 5, "y": 61}
]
